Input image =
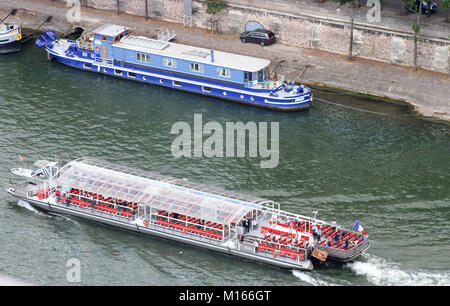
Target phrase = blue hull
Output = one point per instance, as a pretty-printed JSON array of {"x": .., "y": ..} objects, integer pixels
[{"x": 230, "y": 92}]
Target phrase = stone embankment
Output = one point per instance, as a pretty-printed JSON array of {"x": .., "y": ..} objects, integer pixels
[{"x": 427, "y": 89}]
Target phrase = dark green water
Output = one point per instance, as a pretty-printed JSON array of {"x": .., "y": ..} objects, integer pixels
[{"x": 392, "y": 173}]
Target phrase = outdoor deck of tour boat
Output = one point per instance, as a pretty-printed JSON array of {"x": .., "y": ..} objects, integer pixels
[{"x": 181, "y": 210}]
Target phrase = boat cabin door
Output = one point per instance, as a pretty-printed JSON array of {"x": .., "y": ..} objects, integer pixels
[
  {"x": 250, "y": 78},
  {"x": 104, "y": 52}
]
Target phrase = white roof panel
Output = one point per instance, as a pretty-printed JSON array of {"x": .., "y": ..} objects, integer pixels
[
  {"x": 195, "y": 54},
  {"x": 109, "y": 29},
  {"x": 147, "y": 188}
]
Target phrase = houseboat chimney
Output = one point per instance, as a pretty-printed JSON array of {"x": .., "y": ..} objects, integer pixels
[{"x": 212, "y": 56}]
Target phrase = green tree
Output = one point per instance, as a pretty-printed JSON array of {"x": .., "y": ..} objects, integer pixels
[
  {"x": 416, "y": 26},
  {"x": 212, "y": 8},
  {"x": 353, "y": 4},
  {"x": 445, "y": 4}
]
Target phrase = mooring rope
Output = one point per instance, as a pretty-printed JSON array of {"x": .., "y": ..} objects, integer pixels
[{"x": 360, "y": 109}]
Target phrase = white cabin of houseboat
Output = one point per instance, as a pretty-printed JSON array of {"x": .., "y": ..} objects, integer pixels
[{"x": 112, "y": 44}]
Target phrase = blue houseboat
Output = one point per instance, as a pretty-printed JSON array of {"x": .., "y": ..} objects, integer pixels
[{"x": 110, "y": 49}]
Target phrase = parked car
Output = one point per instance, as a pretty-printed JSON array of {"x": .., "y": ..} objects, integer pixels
[
  {"x": 259, "y": 36},
  {"x": 414, "y": 7}
]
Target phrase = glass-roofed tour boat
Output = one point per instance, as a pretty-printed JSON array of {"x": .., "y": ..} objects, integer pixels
[
  {"x": 111, "y": 50},
  {"x": 176, "y": 209}
]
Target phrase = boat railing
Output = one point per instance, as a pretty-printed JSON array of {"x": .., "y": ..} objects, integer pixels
[
  {"x": 347, "y": 253},
  {"x": 85, "y": 45},
  {"x": 155, "y": 217},
  {"x": 278, "y": 250},
  {"x": 104, "y": 61},
  {"x": 167, "y": 36},
  {"x": 19, "y": 188},
  {"x": 86, "y": 42},
  {"x": 185, "y": 234},
  {"x": 96, "y": 211},
  {"x": 97, "y": 201}
]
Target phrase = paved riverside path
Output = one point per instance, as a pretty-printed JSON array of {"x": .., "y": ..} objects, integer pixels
[{"x": 428, "y": 91}]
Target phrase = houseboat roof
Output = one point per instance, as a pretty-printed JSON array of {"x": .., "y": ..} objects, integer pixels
[
  {"x": 191, "y": 53},
  {"x": 109, "y": 29},
  {"x": 155, "y": 190}
]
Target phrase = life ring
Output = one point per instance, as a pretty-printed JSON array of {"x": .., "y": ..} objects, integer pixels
[
  {"x": 320, "y": 254},
  {"x": 274, "y": 254},
  {"x": 145, "y": 222},
  {"x": 97, "y": 48}
]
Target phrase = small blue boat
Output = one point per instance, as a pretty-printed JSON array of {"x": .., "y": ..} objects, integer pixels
[{"x": 110, "y": 49}]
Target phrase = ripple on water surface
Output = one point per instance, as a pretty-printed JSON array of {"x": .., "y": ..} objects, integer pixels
[{"x": 389, "y": 172}]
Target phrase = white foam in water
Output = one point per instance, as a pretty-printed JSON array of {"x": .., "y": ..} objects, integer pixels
[
  {"x": 384, "y": 273},
  {"x": 307, "y": 277},
  {"x": 28, "y": 206}
]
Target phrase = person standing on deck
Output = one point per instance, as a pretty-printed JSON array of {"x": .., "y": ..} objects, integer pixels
[
  {"x": 255, "y": 224},
  {"x": 57, "y": 195},
  {"x": 92, "y": 201},
  {"x": 244, "y": 224},
  {"x": 314, "y": 232}
]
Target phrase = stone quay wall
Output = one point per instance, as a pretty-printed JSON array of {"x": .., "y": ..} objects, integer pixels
[{"x": 313, "y": 32}]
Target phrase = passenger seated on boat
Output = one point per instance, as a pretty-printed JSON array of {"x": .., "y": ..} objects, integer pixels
[
  {"x": 345, "y": 244},
  {"x": 336, "y": 237}
]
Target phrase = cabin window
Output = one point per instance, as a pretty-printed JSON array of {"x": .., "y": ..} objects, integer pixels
[
  {"x": 261, "y": 75},
  {"x": 118, "y": 72},
  {"x": 206, "y": 89},
  {"x": 176, "y": 83},
  {"x": 87, "y": 66},
  {"x": 196, "y": 67},
  {"x": 104, "y": 37},
  {"x": 250, "y": 76},
  {"x": 170, "y": 62},
  {"x": 132, "y": 74},
  {"x": 141, "y": 57},
  {"x": 223, "y": 72},
  {"x": 84, "y": 54}
]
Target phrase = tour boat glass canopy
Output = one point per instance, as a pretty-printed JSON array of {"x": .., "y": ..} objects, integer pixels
[{"x": 155, "y": 190}]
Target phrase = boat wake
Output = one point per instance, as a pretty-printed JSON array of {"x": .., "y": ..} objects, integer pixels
[
  {"x": 28, "y": 206},
  {"x": 31, "y": 208},
  {"x": 381, "y": 272},
  {"x": 308, "y": 278}
]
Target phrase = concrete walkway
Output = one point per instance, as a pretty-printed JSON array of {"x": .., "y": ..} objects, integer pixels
[
  {"x": 428, "y": 91},
  {"x": 391, "y": 16}
]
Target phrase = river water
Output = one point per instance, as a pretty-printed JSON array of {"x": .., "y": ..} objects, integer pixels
[{"x": 390, "y": 172}]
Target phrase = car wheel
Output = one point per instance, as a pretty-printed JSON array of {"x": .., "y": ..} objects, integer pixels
[
  {"x": 243, "y": 40},
  {"x": 262, "y": 44}
]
